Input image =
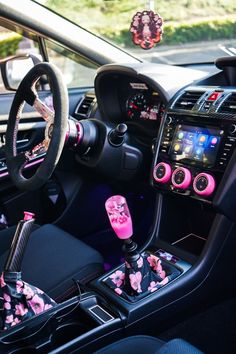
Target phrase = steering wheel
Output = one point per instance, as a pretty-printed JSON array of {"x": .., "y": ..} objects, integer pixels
[{"x": 56, "y": 126}]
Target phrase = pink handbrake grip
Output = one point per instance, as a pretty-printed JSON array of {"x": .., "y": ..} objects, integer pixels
[
  {"x": 28, "y": 215},
  {"x": 119, "y": 216},
  {"x": 19, "y": 243}
]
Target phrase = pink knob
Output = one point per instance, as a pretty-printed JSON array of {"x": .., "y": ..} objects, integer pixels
[
  {"x": 204, "y": 184},
  {"x": 28, "y": 215},
  {"x": 181, "y": 178},
  {"x": 162, "y": 172},
  {"x": 119, "y": 216}
]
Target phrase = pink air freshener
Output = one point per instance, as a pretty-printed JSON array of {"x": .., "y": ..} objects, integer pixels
[{"x": 146, "y": 29}]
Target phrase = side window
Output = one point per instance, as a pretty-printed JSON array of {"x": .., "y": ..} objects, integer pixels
[
  {"x": 77, "y": 70},
  {"x": 14, "y": 43}
]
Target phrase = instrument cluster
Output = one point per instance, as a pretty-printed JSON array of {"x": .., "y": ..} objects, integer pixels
[{"x": 144, "y": 106}]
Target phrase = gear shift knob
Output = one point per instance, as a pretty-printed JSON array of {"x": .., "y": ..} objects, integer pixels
[{"x": 119, "y": 216}]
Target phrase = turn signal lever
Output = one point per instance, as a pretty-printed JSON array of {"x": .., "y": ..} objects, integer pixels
[
  {"x": 121, "y": 222},
  {"x": 117, "y": 135}
]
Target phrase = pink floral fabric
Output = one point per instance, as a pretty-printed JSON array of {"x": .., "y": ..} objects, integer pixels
[
  {"x": 149, "y": 273},
  {"x": 118, "y": 278},
  {"x": 135, "y": 281},
  {"x": 155, "y": 264},
  {"x": 21, "y": 301}
]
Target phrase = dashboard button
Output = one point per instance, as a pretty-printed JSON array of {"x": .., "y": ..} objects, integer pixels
[
  {"x": 181, "y": 178},
  {"x": 214, "y": 96},
  {"x": 169, "y": 120},
  {"x": 162, "y": 172},
  {"x": 232, "y": 129},
  {"x": 204, "y": 184}
]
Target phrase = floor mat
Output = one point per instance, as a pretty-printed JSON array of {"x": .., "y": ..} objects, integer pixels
[{"x": 212, "y": 331}]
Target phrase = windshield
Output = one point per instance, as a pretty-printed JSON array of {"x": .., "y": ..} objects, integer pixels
[{"x": 192, "y": 31}]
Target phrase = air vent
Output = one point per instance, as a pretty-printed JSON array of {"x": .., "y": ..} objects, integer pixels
[
  {"x": 84, "y": 106},
  {"x": 188, "y": 100},
  {"x": 229, "y": 105}
]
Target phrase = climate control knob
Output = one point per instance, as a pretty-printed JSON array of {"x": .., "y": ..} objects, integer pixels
[
  {"x": 162, "y": 172},
  {"x": 181, "y": 178},
  {"x": 204, "y": 184}
]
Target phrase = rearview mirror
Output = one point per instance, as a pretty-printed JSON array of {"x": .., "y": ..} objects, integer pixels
[{"x": 15, "y": 68}]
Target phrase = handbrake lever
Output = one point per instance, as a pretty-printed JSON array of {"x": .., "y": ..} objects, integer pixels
[{"x": 19, "y": 243}]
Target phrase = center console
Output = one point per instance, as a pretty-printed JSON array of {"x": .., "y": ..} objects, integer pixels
[
  {"x": 195, "y": 145},
  {"x": 81, "y": 323}
]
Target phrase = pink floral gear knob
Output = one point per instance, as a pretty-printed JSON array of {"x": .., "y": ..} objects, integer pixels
[{"x": 119, "y": 216}]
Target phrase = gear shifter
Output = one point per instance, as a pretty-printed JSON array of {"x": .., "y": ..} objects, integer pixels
[
  {"x": 121, "y": 222},
  {"x": 142, "y": 273}
]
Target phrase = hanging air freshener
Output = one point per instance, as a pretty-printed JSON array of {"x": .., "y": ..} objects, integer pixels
[{"x": 146, "y": 28}]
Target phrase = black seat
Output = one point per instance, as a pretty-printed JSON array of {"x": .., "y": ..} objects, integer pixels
[
  {"x": 54, "y": 258},
  {"x": 148, "y": 345}
]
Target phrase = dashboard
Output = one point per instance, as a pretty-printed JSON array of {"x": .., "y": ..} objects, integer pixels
[
  {"x": 187, "y": 115},
  {"x": 181, "y": 129}
]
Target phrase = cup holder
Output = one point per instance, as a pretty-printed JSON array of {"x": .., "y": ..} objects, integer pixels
[
  {"x": 66, "y": 333},
  {"x": 50, "y": 330}
]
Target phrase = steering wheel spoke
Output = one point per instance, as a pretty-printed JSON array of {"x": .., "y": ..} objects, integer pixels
[
  {"x": 46, "y": 112},
  {"x": 38, "y": 150}
]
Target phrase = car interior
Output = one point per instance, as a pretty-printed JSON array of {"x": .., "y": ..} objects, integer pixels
[{"x": 151, "y": 143}]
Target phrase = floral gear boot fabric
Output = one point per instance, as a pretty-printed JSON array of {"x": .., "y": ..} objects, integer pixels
[
  {"x": 135, "y": 280},
  {"x": 21, "y": 301}
]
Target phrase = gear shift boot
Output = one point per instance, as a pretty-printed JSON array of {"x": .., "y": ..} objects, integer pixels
[
  {"x": 133, "y": 281},
  {"x": 21, "y": 300}
]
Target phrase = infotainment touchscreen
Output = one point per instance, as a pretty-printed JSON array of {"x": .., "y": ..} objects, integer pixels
[{"x": 196, "y": 144}]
